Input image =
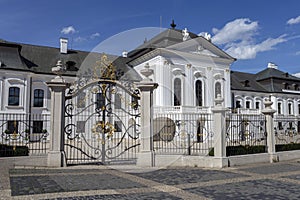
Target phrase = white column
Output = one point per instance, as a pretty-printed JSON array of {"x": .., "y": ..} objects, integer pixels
[
  {"x": 56, "y": 153},
  {"x": 146, "y": 155},
  {"x": 220, "y": 159},
  {"x": 226, "y": 89},
  {"x": 269, "y": 112}
]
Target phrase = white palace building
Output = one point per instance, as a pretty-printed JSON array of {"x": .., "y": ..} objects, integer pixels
[{"x": 189, "y": 69}]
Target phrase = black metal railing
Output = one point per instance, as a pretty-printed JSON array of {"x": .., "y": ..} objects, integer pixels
[
  {"x": 24, "y": 134},
  {"x": 245, "y": 134},
  {"x": 287, "y": 132},
  {"x": 182, "y": 133}
]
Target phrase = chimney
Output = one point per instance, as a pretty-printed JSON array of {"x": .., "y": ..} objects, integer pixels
[{"x": 63, "y": 45}]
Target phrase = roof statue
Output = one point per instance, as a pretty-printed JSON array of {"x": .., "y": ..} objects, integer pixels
[
  {"x": 185, "y": 34},
  {"x": 207, "y": 36}
]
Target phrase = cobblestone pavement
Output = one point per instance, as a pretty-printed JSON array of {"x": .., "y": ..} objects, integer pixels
[{"x": 263, "y": 181}]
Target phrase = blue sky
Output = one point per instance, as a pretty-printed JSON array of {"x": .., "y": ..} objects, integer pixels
[{"x": 254, "y": 31}]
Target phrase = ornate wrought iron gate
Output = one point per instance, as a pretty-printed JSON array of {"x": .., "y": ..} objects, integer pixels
[{"x": 102, "y": 122}]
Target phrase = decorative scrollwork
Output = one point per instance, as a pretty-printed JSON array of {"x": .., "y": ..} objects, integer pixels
[{"x": 97, "y": 119}]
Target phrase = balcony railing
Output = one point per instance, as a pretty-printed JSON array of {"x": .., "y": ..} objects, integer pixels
[{"x": 181, "y": 109}]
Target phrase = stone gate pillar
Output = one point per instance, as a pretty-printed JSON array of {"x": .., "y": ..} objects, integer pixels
[
  {"x": 220, "y": 159},
  {"x": 56, "y": 152},
  {"x": 146, "y": 86},
  {"x": 269, "y": 112}
]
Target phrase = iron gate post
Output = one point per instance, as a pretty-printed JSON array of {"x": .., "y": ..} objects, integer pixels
[
  {"x": 269, "y": 112},
  {"x": 56, "y": 153},
  {"x": 146, "y": 155}
]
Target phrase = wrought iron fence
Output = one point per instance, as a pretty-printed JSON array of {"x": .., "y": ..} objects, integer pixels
[
  {"x": 246, "y": 134},
  {"x": 24, "y": 134},
  {"x": 287, "y": 129},
  {"x": 182, "y": 133}
]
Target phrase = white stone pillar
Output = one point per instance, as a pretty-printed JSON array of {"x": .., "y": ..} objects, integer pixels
[
  {"x": 146, "y": 155},
  {"x": 269, "y": 112},
  {"x": 57, "y": 87},
  {"x": 220, "y": 159}
]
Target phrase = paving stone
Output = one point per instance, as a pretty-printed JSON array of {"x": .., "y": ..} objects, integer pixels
[
  {"x": 137, "y": 196},
  {"x": 255, "y": 189},
  {"x": 187, "y": 175},
  {"x": 94, "y": 182},
  {"x": 52, "y": 171},
  {"x": 26, "y": 185},
  {"x": 275, "y": 168}
]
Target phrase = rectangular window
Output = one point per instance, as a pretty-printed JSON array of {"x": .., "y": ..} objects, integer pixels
[
  {"x": 38, "y": 98},
  {"x": 290, "y": 109},
  {"x": 14, "y": 96},
  {"x": 298, "y": 109},
  {"x": 280, "y": 127},
  {"x": 257, "y": 105},
  {"x": 238, "y": 104},
  {"x": 247, "y": 104},
  {"x": 80, "y": 127},
  {"x": 12, "y": 127},
  {"x": 177, "y": 92},
  {"x": 118, "y": 126},
  {"x": 37, "y": 127},
  {"x": 279, "y": 108}
]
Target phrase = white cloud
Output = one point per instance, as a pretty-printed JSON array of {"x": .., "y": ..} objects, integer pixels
[
  {"x": 80, "y": 39},
  {"x": 239, "y": 29},
  {"x": 238, "y": 38},
  {"x": 297, "y": 74},
  {"x": 87, "y": 38},
  {"x": 93, "y": 36},
  {"x": 68, "y": 30},
  {"x": 294, "y": 21},
  {"x": 249, "y": 51},
  {"x": 297, "y": 53}
]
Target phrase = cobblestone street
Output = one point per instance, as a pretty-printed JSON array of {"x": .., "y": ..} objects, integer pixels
[{"x": 263, "y": 181}]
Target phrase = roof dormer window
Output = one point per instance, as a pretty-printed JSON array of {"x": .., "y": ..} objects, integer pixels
[
  {"x": 286, "y": 86},
  {"x": 246, "y": 83},
  {"x": 295, "y": 86},
  {"x": 71, "y": 66}
]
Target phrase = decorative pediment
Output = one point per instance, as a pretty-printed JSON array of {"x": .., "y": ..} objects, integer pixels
[
  {"x": 16, "y": 81},
  {"x": 200, "y": 46}
]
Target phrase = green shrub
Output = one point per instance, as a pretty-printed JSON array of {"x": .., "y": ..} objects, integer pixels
[
  {"x": 241, "y": 150},
  {"x": 9, "y": 151},
  {"x": 287, "y": 147}
]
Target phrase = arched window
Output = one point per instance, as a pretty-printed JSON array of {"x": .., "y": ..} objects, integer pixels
[
  {"x": 279, "y": 108},
  {"x": 218, "y": 89},
  {"x": 14, "y": 96},
  {"x": 38, "y": 98},
  {"x": 290, "y": 108},
  {"x": 198, "y": 86},
  {"x": 177, "y": 92}
]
